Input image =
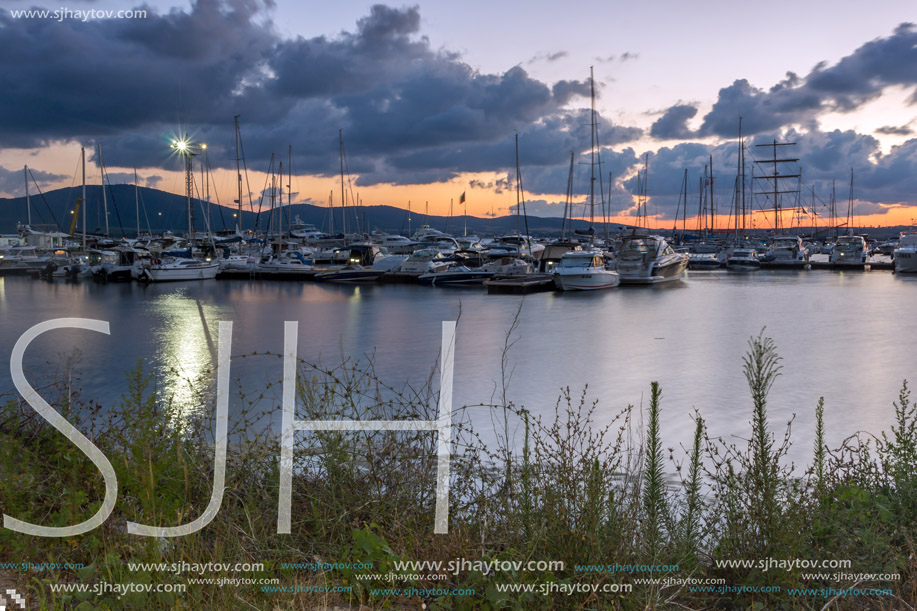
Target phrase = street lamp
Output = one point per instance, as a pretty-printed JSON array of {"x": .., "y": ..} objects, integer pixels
[{"x": 186, "y": 151}]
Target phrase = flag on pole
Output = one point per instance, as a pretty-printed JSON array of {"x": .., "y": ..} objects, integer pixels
[{"x": 462, "y": 198}]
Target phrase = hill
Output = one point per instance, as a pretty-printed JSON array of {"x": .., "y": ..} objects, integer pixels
[{"x": 161, "y": 210}]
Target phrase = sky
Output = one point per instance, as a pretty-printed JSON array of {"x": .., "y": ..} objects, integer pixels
[{"x": 431, "y": 97}]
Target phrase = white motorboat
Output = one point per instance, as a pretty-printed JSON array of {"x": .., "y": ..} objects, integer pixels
[
  {"x": 504, "y": 266},
  {"x": 176, "y": 269},
  {"x": 116, "y": 265},
  {"x": 238, "y": 263},
  {"x": 703, "y": 261},
  {"x": 743, "y": 260},
  {"x": 849, "y": 250},
  {"x": 786, "y": 250},
  {"x": 285, "y": 263},
  {"x": 648, "y": 259},
  {"x": 906, "y": 253},
  {"x": 398, "y": 244},
  {"x": 425, "y": 261},
  {"x": 584, "y": 270}
]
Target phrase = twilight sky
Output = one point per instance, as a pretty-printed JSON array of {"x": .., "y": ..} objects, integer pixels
[{"x": 431, "y": 96}]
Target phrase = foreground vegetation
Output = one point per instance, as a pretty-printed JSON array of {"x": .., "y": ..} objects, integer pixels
[{"x": 565, "y": 490}]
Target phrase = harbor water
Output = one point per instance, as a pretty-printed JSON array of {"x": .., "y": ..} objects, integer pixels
[{"x": 846, "y": 336}]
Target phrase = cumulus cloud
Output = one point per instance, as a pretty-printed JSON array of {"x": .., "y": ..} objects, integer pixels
[{"x": 844, "y": 86}]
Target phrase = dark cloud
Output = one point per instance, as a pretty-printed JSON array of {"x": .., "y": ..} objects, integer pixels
[
  {"x": 12, "y": 182},
  {"x": 547, "y": 57},
  {"x": 409, "y": 113},
  {"x": 541, "y": 207},
  {"x": 119, "y": 178},
  {"x": 629, "y": 56},
  {"x": 891, "y": 130},
  {"x": 544, "y": 149},
  {"x": 673, "y": 124},
  {"x": 119, "y": 74}
]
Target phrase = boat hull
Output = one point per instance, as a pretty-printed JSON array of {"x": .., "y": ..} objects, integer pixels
[
  {"x": 743, "y": 266},
  {"x": 665, "y": 271},
  {"x": 906, "y": 261},
  {"x": 208, "y": 272},
  {"x": 363, "y": 275},
  {"x": 586, "y": 281},
  {"x": 456, "y": 279}
]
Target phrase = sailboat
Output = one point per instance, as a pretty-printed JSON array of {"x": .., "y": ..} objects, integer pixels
[
  {"x": 849, "y": 250},
  {"x": 585, "y": 270}
]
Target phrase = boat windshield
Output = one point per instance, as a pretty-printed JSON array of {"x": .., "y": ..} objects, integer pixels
[
  {"x": 638, "y": 246},
  {"x": 849, "y": 244}
]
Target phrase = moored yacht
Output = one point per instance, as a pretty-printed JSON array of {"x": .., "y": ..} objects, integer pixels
[
  {"x": 285, "y": 263},
  {"x": 906, "y": 253},
  {"x": 176, "y": 269},
  {"x": 786, "y": 250},
  {"x": 116, "y": 265},
  {"x": 703, "y": 260},
  {"x": 425, "y": 261},
  {"x": 849, "y": 250},
  {"x": 648, "y": 259},
  {"x": 584, "y": 270},
  {"x": 743, "y": 260},
  {"x": 460, "y": 275}
]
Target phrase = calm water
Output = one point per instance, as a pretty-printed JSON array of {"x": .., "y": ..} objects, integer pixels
[{"x": 846, "y": 336}]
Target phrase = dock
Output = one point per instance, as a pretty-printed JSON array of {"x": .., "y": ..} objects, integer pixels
[{"x": 520, "y": 285}]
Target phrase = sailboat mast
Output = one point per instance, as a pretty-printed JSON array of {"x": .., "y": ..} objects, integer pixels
[
  {"x": 104, "y": 197},
  {"x": 712, "y": 204},
  {"x": 850, "y": 206},
  {"x": 592, "y": 160},
  {"x": 742, "y": 166},
  {"x": 701, "y": 208},
  {"x": 238, "y": 178},
  {"x": 343, "y": 195},
  {"x": 206, "y": 184},
  {"x": 290, "y": 189},
  {"x": 518, "y": 199},
  {"x": 136, "y": 201},
  {"x": 83, "y": 156},
  {"x": 28, "y": 200},
  {"x": 684, "y": 219},
  {"x": 646, "y": 192},
  {"x": 280, "y": 211}
]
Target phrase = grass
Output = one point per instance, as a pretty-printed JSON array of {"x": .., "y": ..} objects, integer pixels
[{"x": 574, "y": 492}]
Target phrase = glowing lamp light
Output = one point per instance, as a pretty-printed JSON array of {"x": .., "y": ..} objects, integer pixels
[{"x": 180, "y": 145}]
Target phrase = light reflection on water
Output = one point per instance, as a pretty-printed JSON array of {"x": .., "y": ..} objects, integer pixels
[
  {"x": 845, "y": 336},
  {"x": 185, "y": 348}
]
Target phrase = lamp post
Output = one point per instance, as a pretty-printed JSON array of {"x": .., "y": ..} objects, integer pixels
[{"x": 187, "y": 152}]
